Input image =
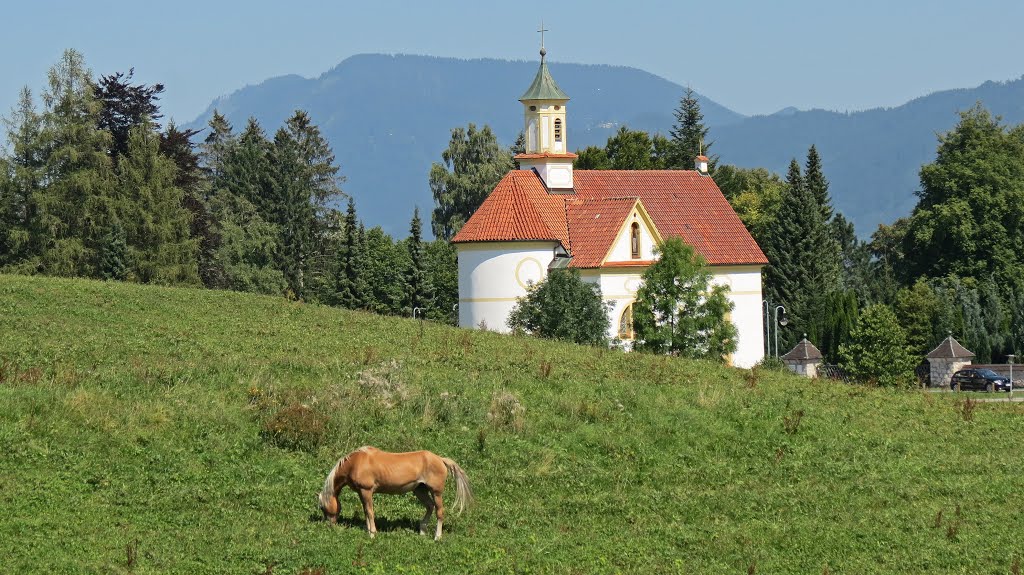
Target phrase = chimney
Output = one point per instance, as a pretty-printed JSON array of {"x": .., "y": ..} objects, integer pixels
[{"x": 701, "y": 165}]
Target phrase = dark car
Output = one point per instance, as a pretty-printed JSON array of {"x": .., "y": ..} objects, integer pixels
[{"x": 985, "y": 379}]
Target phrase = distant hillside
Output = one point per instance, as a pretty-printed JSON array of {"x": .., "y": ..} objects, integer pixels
[
  {"x": 389, "y": 117},
  {"x": 871, "y": 158},
  {"x": 160, "y": 430}
]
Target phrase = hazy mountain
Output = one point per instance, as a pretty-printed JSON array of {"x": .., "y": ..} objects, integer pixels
[
  {"x": 389, "y": 117},
  {"x": 871, "y": 158}
]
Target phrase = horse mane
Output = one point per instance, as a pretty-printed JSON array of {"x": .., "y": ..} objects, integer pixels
[{"x": 328, "y": 491}]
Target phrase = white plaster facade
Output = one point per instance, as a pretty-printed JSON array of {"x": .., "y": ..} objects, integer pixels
[{"x": 493, "y": 275}]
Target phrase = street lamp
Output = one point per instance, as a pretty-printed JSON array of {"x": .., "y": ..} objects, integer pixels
[
  {"x": 1010, "y": 358},
  {"x": 783, "y": 322}
]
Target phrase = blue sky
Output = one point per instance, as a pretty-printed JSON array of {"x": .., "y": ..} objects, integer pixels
[{"x": 754, "y": 56}]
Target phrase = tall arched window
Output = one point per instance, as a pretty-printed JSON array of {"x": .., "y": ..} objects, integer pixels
[
  {"x": 634, "y": 240},
  {"x": 558, "y": 129},
  {"x": 626, "y": 323}
]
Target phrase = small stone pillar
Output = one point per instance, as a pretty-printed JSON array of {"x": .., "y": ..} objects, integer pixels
[
  {"x": 947, "y": 359},
  {"x": 803, "y": 359}
]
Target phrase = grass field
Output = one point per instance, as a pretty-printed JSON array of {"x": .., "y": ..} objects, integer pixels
[{"x": 153, "y": 430}]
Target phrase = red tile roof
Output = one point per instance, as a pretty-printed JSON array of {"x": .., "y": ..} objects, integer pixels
[
  {"x": 593, "y": 225},
  {"x": 681, "y": 202}
]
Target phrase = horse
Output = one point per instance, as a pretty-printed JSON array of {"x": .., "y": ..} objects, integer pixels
[{"x": 369, "y": 470}]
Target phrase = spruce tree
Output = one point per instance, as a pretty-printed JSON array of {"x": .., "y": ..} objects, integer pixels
[
  {"x": 114, "y": 258},
  {"x": 803, "y": 261},
  {"x": 347, "y": 292},
  {"x": 814, "y": 179},
  {"x": 417, "y": 287},
  {"x": 689, "y": 135}
]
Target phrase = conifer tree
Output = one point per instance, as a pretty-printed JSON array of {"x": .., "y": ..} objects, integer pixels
[
  {"x": 443, "y": 276},
  {"x": 347, "y": 292},
  {"x": 803, "y": 260},
  {"x": 21, "y": 183},
  {"x": 77, "y": 208},
  {"x": 689, "y": 135},
  {"x": 114, "y": 258},
  {"x": 814, "y": 179},
  {"x": 156, "y": 224},
  {"x": 417, "y": 287}
]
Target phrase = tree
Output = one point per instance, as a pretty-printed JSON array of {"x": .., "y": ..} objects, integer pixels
[
  {"x": 114, "y": 258},
  {"x": 814, "y": 179},
  {"x": 383, "y": 264},
  {"x": 417, "y": 288},
  {"x": 442, "y": 267},
  {"x": 877, "y": 350},
  {"x": 156, "y": 223},
  {"x": 592, "y": 158},
  {"x": 348, "y": 292},
  {"x": 755, "y": 194},
  {"x": 678, "y": 311},
  {"x": 245, "y": 257},
  {"x": 474, "y": 163},
  {"x": 76, "y": 209},
  {"x": 967, "y": 220},
  {"x": 803, "y": 260},
  {"x": 689, "y": 135},
  {"x": 564, "y": 307},
  {"x": 303, "y": 180},
  {"x": 838, "y": 318},
  {"x": 125, "y": 106},
  {"x": 917, "y": 309},
  {"x": 21, "y": 183}
]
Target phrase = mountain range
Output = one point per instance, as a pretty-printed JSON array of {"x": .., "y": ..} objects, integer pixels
[{"x": 388, "y": 117}]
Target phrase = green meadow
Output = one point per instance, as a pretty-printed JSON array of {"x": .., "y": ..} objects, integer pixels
[{"x": 155, "y": 430}]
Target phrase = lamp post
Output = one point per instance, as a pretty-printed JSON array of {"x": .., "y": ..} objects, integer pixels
[
  {"x": 1010, "y": 359},
  {"x": 779, "y": 322},
  {"x": 768, "y": 328}
]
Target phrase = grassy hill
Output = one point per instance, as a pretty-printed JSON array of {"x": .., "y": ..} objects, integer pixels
[{"x": 154, "y": 430}]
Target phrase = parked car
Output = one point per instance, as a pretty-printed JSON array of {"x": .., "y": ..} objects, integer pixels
[{"x": 980, "y": 379}]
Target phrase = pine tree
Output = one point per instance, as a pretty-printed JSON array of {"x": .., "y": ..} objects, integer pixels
[
  {"x": 418, "y": 292},
  {"x": 803, "y": 260},
  {"x": 347, "y": 292},
  {"x": 689, "y": 135},
  {"x": 217, "y": 148},
  {"x": 816, "y": 183}
]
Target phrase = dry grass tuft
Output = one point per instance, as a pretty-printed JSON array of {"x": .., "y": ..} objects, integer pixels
[
  {"x": 506, "y": 411},
  {"x": 297, "y": 427},
  {"x": 383, "y": 385}
]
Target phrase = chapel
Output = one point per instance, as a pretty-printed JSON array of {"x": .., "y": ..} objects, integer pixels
[{"x": 606, "y": 223}]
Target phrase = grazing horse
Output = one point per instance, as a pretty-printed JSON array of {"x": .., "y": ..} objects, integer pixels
[{"x": 369, "y": 470}]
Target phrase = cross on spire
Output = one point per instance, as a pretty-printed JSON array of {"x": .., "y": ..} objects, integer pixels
[{"x": 542, "y": 30}]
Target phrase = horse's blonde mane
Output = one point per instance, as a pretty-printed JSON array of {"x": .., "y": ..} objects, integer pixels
[{"x": 328, "y": 491}]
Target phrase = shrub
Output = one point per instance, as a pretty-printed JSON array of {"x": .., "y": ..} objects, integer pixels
[{"x": 297, "y": 427}]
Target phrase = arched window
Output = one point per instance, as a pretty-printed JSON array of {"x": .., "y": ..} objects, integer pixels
[
  {"x": 626, "y": 323},
  {"x": 634, "y": 240},
  {"x": 558, "y": 129}
]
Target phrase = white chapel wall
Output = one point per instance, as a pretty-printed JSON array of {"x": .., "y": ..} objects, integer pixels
[
  {"x": 622, "y": 250},
  {"x": 493, "y": 274}
]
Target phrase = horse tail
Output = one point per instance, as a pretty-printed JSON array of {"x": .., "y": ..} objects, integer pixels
[{"x": 463, "y": 494}]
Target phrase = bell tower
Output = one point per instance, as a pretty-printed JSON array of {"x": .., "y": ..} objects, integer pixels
[{"x": 545, "y": 129}]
